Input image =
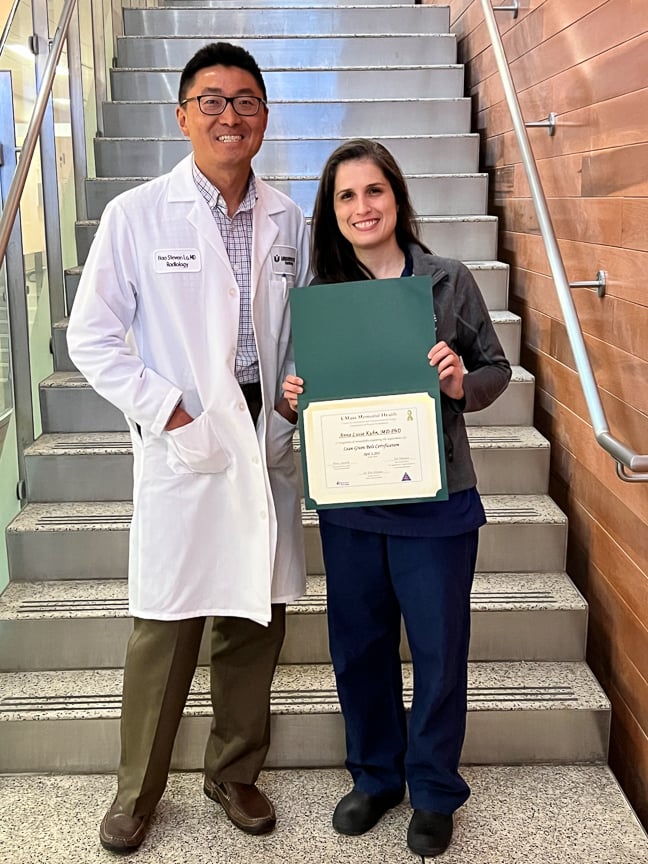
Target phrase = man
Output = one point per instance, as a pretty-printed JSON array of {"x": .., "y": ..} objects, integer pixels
[{"x": 181, "y": 320}]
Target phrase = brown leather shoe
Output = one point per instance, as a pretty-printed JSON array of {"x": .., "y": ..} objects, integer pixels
[
  {"x": 120, "y": 832},
  {"x": 246, "y": 806}
]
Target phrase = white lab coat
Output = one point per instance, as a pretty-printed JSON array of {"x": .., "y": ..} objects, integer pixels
[{"x": 216, "y": 513}]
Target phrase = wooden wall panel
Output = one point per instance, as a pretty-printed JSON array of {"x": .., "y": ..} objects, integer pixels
[
  {"x": 629, "y": 754},
  {"x": 635, "y": 224},
  {"x": 538, "y": 52},
  {"x": 626, "y": 267},
  {"x": 615, "y": 332},
  {"x": 590, "y": 220},
  {"x": 618, "y": 171},
  {"x": 628, "y": 423},
  {"x": 586, "y": 61},
  {"x": 614, "y": 73}
]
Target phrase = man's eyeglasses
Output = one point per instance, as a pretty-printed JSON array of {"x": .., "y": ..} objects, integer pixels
[{"x": 246, "y": 106}]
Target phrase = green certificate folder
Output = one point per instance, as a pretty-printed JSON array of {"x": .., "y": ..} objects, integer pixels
[{"x": 370, "y": 415}]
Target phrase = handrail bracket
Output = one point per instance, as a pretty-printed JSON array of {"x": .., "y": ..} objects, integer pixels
[
  {"x": 634, "y": 477},
  {"x": 549, "y": 124},
  {"x": 600, "y": 283},
  {"x": 514, "y": 8}
]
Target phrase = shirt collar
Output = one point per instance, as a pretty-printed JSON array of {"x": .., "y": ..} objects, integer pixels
[{"x": 214, "y": 198}]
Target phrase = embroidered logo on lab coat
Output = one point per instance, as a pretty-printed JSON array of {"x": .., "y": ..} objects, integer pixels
[
  {"x": 284, "y": 260},
  {"x": 176, "y": 260}
]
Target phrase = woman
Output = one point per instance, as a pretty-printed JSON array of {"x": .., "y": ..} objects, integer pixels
[{"x": 415, "y": 560}]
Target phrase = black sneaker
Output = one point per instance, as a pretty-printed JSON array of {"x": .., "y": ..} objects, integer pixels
[
  {"x": 358, "y": 811},
  {"x": 429, "y": 833}
]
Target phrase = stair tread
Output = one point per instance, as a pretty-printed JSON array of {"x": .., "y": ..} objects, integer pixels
[
  {"x": 75, "y": 599},
  {"x": 498, "y": 316},
  {"x": 327, "y": 36},
  {"x": 527, "y": 509},
  {"x": 307, "y": 178},
  {"x": 504, "y": 316},
  {"x": 301, "y": 689},
  {"x": 116, "y": 515},
  {"x": 119, "y": 443},
  {"x": 75, "y": 379},
  {"x": 274, "y": 139},
  {"x": 138, "y": 70},
  {"x": 556, "y": 814},
  {"x": 498, "y": 265}
]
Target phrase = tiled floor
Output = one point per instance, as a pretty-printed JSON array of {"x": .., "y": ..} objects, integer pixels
[{"x": 516, "y": 815}]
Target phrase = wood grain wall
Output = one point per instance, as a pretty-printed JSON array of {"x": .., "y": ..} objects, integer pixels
[{"x": 586, "y": 60}]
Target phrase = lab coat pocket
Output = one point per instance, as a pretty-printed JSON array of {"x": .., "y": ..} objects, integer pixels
[{"x": 196, "y": 448}]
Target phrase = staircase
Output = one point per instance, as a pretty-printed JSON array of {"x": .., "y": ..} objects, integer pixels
[{"x": 538, "y": 724}]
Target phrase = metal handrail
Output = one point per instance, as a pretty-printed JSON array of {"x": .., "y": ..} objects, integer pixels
[
  {"x": 625, "y": 457},
  {"x": 8, "y": 23},
  {"x": 31, "y": 138}
]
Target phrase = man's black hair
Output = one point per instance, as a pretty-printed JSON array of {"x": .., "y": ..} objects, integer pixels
[{"x": 220, "y": 54}]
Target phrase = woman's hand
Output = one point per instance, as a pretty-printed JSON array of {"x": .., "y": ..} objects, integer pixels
[
  {"x": 451, "y": 372},
  {"x": 292, "y": 387}
]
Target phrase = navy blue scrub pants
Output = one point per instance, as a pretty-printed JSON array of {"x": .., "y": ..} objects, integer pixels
[{"x": 371, "y": 579}]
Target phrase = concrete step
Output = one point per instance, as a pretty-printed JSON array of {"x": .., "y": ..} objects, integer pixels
[
  {"x": 313, "y": 52},
  {"x": 89, "y": 539},
  {"x": 554, "y": 814},
  {"x": 332, "y": 118},
  {"x": 215, "y": 23},
  {"x": 73, "y": 467},
  {"x": 507, "y": 326},
  {"x": 99, "y": 465},
  {"x": 161, "y": 85},
  {"x": 524, "y": 533},
  {"x": 472, "y": 239},
  {"x": 289, "y": 157},
  {"x": 263, "y": 4},
  {"x": 69, "y": 624},
  {"x": 69, "y": 404},
  {"x": 73, "y": 274},
  {"x": 431, "y": 194},
  {"x": 508, "y": 460},
  {"x": 517, "y": 712}
]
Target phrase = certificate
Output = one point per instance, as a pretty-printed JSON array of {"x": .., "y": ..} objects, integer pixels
[
  {"x": 374, "y": 448},
  {"x": 370, "y": 415}
]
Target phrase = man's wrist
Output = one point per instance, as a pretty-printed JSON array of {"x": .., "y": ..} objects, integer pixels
[{"x": 178, "y": 418}]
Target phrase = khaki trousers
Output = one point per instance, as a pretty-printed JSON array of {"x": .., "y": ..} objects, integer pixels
[{"x": 160, "y": 662}]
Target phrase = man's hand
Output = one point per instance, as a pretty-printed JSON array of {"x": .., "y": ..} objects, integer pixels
[
  {"x": 177, "y": 419},
  {"x": 451, "y": 372}
]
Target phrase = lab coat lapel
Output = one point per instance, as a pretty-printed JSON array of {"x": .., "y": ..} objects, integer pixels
[
  {"x": 264, "y": 233},
  {"x": 182, "y": 190}
]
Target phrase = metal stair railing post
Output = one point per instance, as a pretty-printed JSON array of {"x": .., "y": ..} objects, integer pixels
[
  {"x": 77, "y": 115},
  {"x": 19, "y": 360},
  {"x": 99, "y": 60},
  {"x": 49, "y": 179},
  {"x": 624, "y": 456},
  {"x": 8, "y": 23},
  {"x": 18, "y": 323}
]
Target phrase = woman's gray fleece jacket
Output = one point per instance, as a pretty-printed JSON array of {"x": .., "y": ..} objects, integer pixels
[{"x": 463, "y": 321}]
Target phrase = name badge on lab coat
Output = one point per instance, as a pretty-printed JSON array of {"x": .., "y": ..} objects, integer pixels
[
  {"x": 176, "y": 261},
  {"x": 284, "y": 260}
]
